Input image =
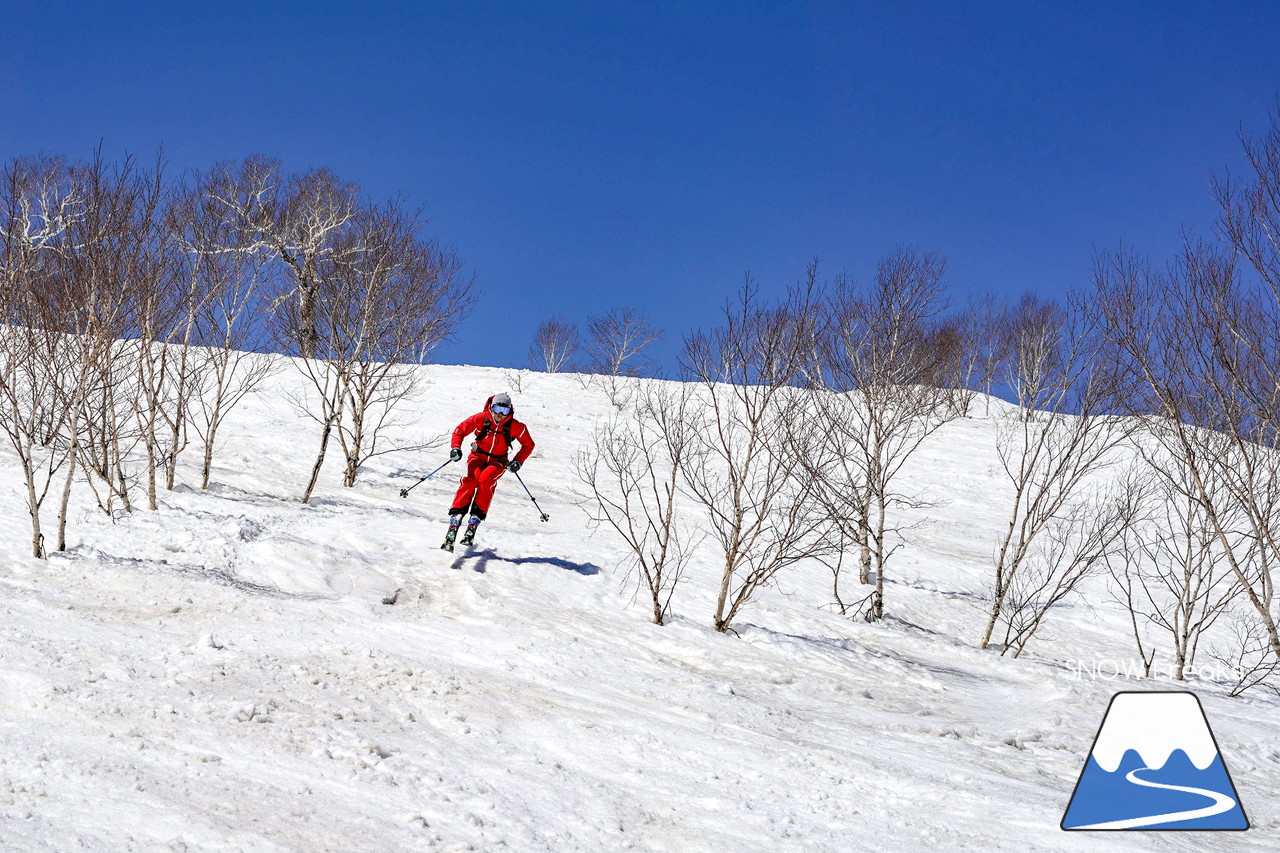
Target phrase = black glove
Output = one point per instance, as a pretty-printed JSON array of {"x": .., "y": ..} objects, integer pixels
[
  {"x": 513, "y": 466},
  {"x": 455, "y": 454}
]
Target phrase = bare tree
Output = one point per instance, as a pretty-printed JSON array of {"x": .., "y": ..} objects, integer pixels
[
  {"x": 38, "y": 203},
  {"x": 1073, "y": 545},
  {"x": 230, "y": 271},
  {"x": 325, "y": 406},
  {"x": 883, "y": 359},
  {"x": 984, "y": 347},
  {"x": 555, "y": 344},
  {"x": 318, "y": 208},
  {"x": 1049, "y": 447},
  {"x": 299, "y": 218},
  {"x": 1168, "y": 570},
  {"x": 1201, "y": 344},
  {"x": 387, "y": 298},
  {"x": 1246, "y": 347},
  {"x": 1247, "y": 654},
  {"x": 616, "y": 341},
  {"x": 1250, "y": 220},
  {"x": 632, "y": 475},
  {"x": 135, "y": 312},
  {"x": 63, "y": 316},
  {"x": 109, "y": 430},
  {"x": 736, "y": 437},
  {"x": 1126, "y": 567},
  {"x": 110, "y": 254},
  {"x": 1200, "y": 351},
  {"x": 36, "y": 368},
  {"x": 1038, "y": 360},
  {"x": 167, "y": 299}
]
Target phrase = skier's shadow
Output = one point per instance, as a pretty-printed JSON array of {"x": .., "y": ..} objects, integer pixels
[{"x": 483, "y": 558}]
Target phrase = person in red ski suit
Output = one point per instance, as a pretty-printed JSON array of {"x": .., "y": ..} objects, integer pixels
[{"x": 495, "y": 429}]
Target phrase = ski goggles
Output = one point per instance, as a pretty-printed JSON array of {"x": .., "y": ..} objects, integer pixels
[{"x": 500, "y": 409}]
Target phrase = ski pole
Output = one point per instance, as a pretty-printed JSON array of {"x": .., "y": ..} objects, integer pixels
[
  {"x": 404, "y": 493},
  {"x": 544, "y": 516}
]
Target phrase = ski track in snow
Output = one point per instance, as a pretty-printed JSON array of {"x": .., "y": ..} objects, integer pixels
[{"x": 224, "y": 675}]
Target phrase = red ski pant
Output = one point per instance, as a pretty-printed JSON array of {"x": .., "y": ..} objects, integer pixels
[{"x": 481, "y": 479}]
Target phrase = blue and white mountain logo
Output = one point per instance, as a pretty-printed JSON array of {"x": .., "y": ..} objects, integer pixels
[{"x": 1155, "y": 765}]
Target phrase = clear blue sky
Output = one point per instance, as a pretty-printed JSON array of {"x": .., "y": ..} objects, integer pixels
[{"x": 583, "y": 155}]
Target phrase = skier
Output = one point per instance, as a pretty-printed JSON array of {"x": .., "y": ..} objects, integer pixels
[{"x": 495, "y": 428}]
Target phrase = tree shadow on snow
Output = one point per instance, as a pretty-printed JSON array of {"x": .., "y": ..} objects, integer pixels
[{"x": 585, "y": 569}]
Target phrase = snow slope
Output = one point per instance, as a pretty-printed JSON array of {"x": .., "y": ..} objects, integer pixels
[{"x": 239, "y": 672}]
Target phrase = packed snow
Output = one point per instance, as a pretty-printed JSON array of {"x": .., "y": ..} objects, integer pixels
[{"x": 238, "y": 671}]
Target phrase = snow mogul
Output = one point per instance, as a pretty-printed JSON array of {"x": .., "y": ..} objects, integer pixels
[{"x": 494, "y": 428}]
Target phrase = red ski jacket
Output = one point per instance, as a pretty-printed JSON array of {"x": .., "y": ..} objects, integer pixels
[{"x": 494, "y": 444}]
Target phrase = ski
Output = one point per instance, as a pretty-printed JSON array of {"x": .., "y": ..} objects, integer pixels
[
  {"x": 469, "y": 537},
  {"x": 452, "y": 534}
]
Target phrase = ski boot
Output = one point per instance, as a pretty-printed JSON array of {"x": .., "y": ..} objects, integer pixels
[
  {"x": 469, "y": 537},
  {"x": 455, "y": 521}
]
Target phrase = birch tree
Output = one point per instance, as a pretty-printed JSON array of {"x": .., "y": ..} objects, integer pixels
[
  {"x": 62, "y": 315},
  {"x": 167, "y": 294},
  {"x": 99, "y": 277},
  {"x": 1049, "y": 446},
  {"x": 1202, "y": 344},
  {"x": 1072, "y": 546},
  {"x": 738, "y": 468},
  {"x": 38, "y": 203},
  {"x": 317, "y": 210},
  {"x": 300, "y": 218},
  {"x": 632, "y": 474},
  {"x": 882, "y": 366},
  {"x": 983, "y": 349},
  {"x": 617, "y": 340},
  {"x": 230, "y": 265},
  {"x": 388, "y": 297},
  {"x": 1201, "y": 349},
  {"x": 1168, "y": 570},
  {"x": 555, "y": 343}
]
